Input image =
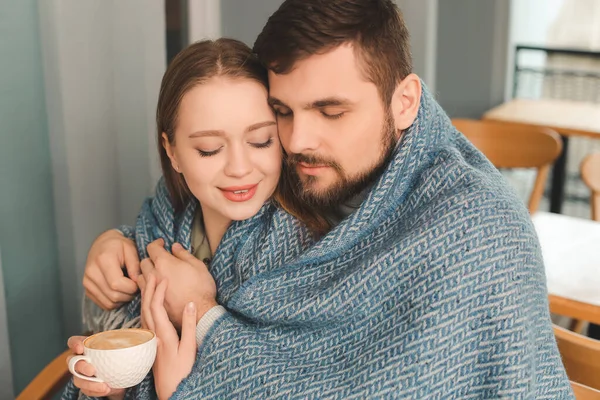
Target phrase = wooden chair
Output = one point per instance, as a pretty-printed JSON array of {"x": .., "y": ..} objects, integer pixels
[
  {"x": 574, "y": 309},
  {"x": 514, "y": 146},
  {"x": 590, "y": 174},
  {"x": 583, "y": 392},
  {"x": 49, "y": 381},
  {"x": 580, "y": 356}
]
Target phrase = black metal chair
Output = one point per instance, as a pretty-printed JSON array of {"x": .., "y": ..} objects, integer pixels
[{"x": 566, "y": 74}]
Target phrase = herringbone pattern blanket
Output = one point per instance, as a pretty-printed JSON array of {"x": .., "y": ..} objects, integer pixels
[{"x": 433, "y": 289}]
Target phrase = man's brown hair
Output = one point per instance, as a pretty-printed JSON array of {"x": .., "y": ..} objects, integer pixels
[{"x": 376, "y": 29}]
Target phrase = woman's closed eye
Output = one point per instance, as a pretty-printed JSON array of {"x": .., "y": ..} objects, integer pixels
[
  {"x": 262, "y": 145},
  {"x": 208, "y": 153},
  {"x": 256, "y": 145}
]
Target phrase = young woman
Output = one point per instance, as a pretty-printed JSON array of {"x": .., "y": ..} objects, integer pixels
[{"x": 221, "y": 159}]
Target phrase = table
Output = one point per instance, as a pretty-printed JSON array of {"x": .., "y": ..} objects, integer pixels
[
  {"x": 571, "y": 251},
  {"x": 568, "y": 118}
]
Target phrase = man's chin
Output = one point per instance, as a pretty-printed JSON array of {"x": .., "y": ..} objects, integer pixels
[
  {"x": 317, "y": 194},
  {"x": 316, "y": 187}
]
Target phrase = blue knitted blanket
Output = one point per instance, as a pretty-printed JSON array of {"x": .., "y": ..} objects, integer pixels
[{"x": 433, "y": 289}]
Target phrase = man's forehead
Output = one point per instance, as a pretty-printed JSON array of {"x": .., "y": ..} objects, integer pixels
[{"x": 332, "y": 74}]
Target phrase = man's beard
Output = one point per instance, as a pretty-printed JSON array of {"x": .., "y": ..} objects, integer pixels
[{"x": 346, "y": 187}]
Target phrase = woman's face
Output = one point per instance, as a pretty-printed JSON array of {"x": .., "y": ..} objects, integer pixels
[{"x": 226, "y": 146}]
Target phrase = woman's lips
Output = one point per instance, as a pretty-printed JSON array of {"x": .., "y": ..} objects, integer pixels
[{"x": 239, "y": 193}]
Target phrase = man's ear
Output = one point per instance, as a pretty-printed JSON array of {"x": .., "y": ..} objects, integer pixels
[{"x": 406, "y": 101}]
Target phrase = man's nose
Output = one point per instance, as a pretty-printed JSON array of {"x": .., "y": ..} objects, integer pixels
[{"x": 303, "y": 137}]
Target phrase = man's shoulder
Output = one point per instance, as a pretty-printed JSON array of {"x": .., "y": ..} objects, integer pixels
[
  {"x": 470, "y": 188},
  {"x": 458, "y": 201}
]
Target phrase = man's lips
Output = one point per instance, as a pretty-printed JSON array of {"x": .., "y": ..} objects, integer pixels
[
  {"x": 311, "y": 169},
  {"x": 305, "y": 165}
]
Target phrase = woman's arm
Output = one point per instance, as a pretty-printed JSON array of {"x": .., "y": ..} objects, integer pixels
[{"x": 174, "y": 358}]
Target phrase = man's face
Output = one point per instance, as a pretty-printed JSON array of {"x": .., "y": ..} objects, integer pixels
[{"x": 333, "y": 125}]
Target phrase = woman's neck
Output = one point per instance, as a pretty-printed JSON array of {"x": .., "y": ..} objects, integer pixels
[{"x": 215, "y": 226}]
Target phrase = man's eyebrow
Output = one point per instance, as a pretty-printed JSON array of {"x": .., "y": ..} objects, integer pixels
[
  {"x": 326, "y": 102},
  {"x": 329, "y": 102},
  {"x": 259, "y": 125},
  {"x": 273, "y": 101}
]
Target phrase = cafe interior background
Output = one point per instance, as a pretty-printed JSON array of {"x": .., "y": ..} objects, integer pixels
[{"x": 78, "y": 88}]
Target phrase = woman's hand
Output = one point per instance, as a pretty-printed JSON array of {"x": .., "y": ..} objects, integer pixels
[
  {"x": 90, "y": 389},
  {"x": 174, "y": 358}
]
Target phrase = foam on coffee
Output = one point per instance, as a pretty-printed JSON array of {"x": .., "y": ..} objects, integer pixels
[{"x": 119, "y": 339}]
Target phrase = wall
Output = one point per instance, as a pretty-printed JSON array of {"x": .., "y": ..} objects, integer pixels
[
  {"x": 103, "y": 63},
  {"x": 27, "y": 224},
  {"x": 472, "y": 43},
  {"x": 421, "y": 17},
  {"x": 204, "y": 20},
  {"x": 243, "y": 20}
]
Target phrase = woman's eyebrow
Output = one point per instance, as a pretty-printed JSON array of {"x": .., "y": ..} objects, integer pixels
[
  {"x": 218, "y": 133},
  {"x": 207, "y": 133},
  {"x": 259, "y": 125}
]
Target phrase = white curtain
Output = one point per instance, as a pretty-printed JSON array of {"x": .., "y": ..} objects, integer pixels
[
  {"x": 103, "y": 63},
  {"x": 6, "y": 377}
]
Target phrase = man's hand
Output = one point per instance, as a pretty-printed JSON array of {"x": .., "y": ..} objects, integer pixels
[
  {"x": 188, "y": 277},
  {"x": 104, "y": 281}
]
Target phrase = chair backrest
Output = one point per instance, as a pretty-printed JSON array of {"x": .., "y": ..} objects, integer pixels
[
  {"x": 574, "y": 309},
  {"x": 509, "y": 145},
  {"x": 583, "y": 392},
  {"x": 49, "y": 381},
  {"x": 580, "y": 355},
  {"x": 590, "y": 174}
]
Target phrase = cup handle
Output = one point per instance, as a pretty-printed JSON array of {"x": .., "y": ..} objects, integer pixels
[{"x": 74, "y": 360}]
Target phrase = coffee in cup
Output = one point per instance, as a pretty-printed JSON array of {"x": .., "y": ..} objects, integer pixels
[
  {"x": 122, "y": 358},
  {"x": 120, "y": 339}
]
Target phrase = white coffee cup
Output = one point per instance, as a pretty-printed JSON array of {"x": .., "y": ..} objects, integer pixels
[{"x": 122, "y": 358}]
